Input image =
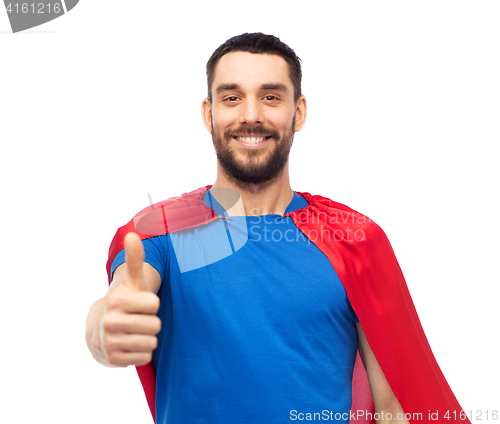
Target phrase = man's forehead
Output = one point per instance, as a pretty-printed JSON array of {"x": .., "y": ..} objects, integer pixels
[{"x": 251, "y": 69}]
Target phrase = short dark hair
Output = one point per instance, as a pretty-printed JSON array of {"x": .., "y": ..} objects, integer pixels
[{"x": 257, "y": 42}]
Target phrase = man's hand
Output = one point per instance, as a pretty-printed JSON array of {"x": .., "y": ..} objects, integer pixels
[{"x": 122, "y": 326}]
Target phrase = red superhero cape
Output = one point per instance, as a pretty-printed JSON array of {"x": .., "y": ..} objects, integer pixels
[{"x": 363, "y": 258}]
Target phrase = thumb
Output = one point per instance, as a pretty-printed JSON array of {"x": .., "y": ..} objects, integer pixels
[{"x": 134, "y": 258}]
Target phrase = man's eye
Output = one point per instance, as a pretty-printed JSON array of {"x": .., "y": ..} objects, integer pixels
[
  {"x": 232, "y": 99},
  {"x": 271, "y": 98}
]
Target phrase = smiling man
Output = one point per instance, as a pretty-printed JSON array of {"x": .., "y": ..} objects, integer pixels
[
  {"x": 252, "y": 118},
  {"x": 252, "y": 300}
]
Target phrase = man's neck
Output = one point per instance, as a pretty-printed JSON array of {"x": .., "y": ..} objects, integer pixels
[{"x": 272, "y": 198}]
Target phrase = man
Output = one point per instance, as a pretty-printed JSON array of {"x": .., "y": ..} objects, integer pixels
[{"x": 251, "y": 283}]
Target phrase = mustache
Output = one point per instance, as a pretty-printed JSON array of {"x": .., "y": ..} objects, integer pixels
[{"x": 249, "y": 130}]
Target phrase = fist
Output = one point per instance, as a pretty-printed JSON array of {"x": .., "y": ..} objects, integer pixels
[{"x": 129, "y": 323}]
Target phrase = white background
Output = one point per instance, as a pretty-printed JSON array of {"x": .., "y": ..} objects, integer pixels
[{"x": 102, "y": 106}]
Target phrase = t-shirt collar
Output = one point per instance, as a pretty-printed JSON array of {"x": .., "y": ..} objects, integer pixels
[{"x": 297, "y": 202}]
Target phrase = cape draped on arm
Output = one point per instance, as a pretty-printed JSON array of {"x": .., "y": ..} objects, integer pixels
[{"x": 363, "y": 259}]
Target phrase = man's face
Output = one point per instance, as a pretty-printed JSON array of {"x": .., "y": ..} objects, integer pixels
[{"x": 252, "y": 117}]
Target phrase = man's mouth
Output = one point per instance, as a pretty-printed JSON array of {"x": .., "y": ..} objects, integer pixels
[{"x": 252, "y": 140}]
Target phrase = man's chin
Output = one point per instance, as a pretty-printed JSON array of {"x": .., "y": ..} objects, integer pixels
[
  {"x": 252, "y": 168},
  {"x": 245, "y": 171},
  {"x": 252, "y": 182}
]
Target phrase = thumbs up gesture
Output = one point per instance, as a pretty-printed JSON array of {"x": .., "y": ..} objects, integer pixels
[
  {"x": 122, "y": 326},
  {"x": 134, "y": 261}
]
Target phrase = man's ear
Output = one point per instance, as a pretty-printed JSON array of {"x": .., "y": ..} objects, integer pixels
[
  {"x": 300, "y": 113},
  {"x": 206, "y": 114}
]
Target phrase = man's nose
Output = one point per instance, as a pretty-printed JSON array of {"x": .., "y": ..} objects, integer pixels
[{"x": 251, "y": 112}]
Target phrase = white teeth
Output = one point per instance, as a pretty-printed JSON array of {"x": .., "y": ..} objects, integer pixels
[{"x": 254, "y": 140}]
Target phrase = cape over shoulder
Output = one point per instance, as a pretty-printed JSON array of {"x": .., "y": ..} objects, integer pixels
[{"x": 363, "y": 258}]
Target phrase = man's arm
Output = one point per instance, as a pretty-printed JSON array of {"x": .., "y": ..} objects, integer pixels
[
  {"x": 384, "y": 399},
  {"x": 122, "y": 326}
]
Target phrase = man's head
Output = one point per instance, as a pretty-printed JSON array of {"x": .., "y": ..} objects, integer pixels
[
  {"x": 254, "y": 107},
  {"x": 257, "y": 43}
]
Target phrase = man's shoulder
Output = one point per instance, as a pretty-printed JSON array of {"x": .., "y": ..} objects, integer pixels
[
  {"x": 185, "y": 200},
  {"x": 164, "y": 217},
  {"x": 337, "y": 216},
  {"x": 174, "y": 213},
  {"x": 318, "y": 204}
]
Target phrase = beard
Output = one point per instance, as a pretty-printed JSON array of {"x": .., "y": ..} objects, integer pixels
[{"x": 258, "y": 169}]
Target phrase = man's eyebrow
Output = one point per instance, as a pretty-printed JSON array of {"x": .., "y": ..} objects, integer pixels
[
  {"x": 224, "y": 87},
  {"x": 277, "y": 86}
]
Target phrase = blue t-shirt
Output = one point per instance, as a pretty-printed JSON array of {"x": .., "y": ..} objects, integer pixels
[{"x": 256, "y": 325}]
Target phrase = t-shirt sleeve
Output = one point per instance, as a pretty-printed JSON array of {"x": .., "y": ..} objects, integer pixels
[
  {"x": 352, "y": 311},
  {"x": 356, "y": 319},
  {"x": 155, "y": 254}
]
